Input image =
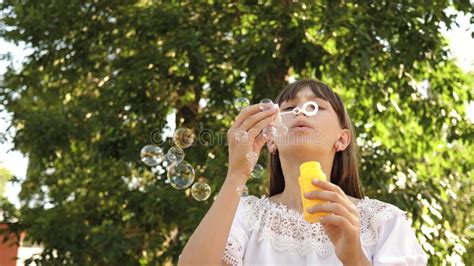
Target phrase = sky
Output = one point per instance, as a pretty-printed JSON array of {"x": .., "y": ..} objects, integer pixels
[{"x": 460, "y": 41}]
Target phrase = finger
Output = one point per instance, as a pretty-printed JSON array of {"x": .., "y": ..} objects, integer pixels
[
  {"x": 238, "y": 136},
  {"x": 332, "y": 196},
  {"x": 336, "y": 220},
  {"x": 257, "y": 129},
  {"x": 335, "y": 208},
  {"x": 331, "y": 187},
  {"x": 324, "y": 195},
  {"x": 256, "y": 118},
  {"x": 259, "y": 142},
  {"x": 328, "y": 186},
  {"x": 245, "y": 113}
]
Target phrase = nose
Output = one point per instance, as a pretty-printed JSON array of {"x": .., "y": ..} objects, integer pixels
[{"x": 299, "y": 110}]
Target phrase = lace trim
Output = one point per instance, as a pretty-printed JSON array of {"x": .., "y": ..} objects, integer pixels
[
  {"x": 375, "y": 213},
  {"x": 234, "y": 251},
  {"x": 287, "y": 230}
]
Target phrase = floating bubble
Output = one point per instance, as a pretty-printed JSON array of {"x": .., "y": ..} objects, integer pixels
[
  {"x": 201, "y": 190},
  {"x": 252, "y": 157},
  {"x": 278, "y": 119},
  {"x": 268, "y": 132},
  {"x": 242, "y": 190},
  {"x": 241, "y": 103},
  {"x": 266, "y": 104},
  {"x": 280, "y": 126},
  {"x": 175, "y": 154},
  {"x": 241, "y": 135},
  {"x": 257, "y": 172},
  {"x": 183, "y": 137},
  {"x": 181, "y": 175},
  {"x": 152, "y": 155}
]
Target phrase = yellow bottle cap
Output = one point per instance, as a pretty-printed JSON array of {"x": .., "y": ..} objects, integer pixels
[{"x": 311, "y": 168}]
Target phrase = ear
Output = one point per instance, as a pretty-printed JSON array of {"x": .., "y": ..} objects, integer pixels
[{"x": 343, "y": 141}]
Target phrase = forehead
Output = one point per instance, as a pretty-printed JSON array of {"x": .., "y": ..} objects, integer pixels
[{"x": 304, "y": 93}]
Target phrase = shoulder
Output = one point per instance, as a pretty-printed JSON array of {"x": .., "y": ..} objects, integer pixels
[
  {"x": 388, "y": 234},
  {"x": 252, "y": 211},
  {"x": 376, "y": 208},
  {"x": 377, "y": 216},
  {"x": 251, "y": 205},
  {"x": 248, "y": 206}
]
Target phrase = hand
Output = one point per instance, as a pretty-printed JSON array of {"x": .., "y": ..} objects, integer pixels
[
  {"x": 250, "y": 121},
  {"x": 342, "y": 225}
]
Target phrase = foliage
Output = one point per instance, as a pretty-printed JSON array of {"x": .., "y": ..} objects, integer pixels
[
  {"x": 104, "y": 75},
  {"x": 5, "y": 176}
]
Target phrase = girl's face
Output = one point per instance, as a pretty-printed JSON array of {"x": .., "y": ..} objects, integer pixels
[{"x": 308, "y": 134}]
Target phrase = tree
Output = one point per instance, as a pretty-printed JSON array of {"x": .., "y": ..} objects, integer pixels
[
  {"x": 5, "y": 176},
  {"x": 105, "y": 74}
]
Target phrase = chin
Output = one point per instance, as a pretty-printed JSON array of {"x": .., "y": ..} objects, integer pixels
[
  {"x": 302, "y": 149},
  {"x": 306, "y": 137},
  {"x": 309, "y": 141}
]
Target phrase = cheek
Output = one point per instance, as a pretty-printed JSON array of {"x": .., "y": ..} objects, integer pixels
[
  {"x": 326, "y": 130},
  {"x": 327, "y": 121},
  {"x": 287, "y": 119},
  {"x": 280, "y": 140}
]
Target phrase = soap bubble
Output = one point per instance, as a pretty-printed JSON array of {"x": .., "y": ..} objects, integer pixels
[
  {"x": 201, "y": 190},
  {"x": 266, "y": 104},
  {"x": 252, "y": 157},
  {"x": 183, "y": 137},
  {"x": 279, "y": 125},
  {"x": 151, "y": 155},
  {"x": 281, "y": 129},
  {"x": 242, "y": 190},
  {"x": 257, "y": 172},
  {"x": 268, "y": 132},
  {"x": 175, "y": 154},
  {"x": 241, "y": 103},
  {"x": 278, "y": 119},
  {"x": 181, "y": 175}
]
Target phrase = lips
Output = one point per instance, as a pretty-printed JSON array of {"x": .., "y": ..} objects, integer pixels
[{"x": 301, "y": 125}]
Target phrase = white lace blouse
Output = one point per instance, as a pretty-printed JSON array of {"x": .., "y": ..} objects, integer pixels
[{"x": 267, "y": 233}]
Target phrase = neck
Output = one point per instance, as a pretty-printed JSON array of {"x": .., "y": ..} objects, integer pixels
[{"x": 291, "y": 195}]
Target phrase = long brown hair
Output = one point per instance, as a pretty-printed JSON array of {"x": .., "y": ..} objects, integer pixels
[{"x": 345, "y": 172}]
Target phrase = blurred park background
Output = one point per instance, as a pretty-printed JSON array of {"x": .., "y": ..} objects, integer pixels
[{"x": 98, "y": 80}]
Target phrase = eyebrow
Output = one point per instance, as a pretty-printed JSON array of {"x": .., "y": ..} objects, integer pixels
[
  {"x": 324, "y": 102},
  {"x": 310, "y": 99}
]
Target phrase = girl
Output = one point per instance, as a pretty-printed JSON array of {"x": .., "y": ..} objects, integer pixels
[{"x": 271, "y": 230}]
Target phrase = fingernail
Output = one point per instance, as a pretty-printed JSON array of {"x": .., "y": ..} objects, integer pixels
[
  {"x": 316, "y": 181},
  {"x": 306, "y": 194}
]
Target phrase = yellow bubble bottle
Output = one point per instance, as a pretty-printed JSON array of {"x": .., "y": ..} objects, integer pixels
[{"x": 309, "y": 171}]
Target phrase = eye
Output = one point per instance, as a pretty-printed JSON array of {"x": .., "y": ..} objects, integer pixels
[{"x": 289, "y": 108}]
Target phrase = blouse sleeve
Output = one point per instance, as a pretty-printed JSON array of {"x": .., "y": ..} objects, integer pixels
[
  {"x": 238, "y": 237},
  {"x": 398, "y": 245}
]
